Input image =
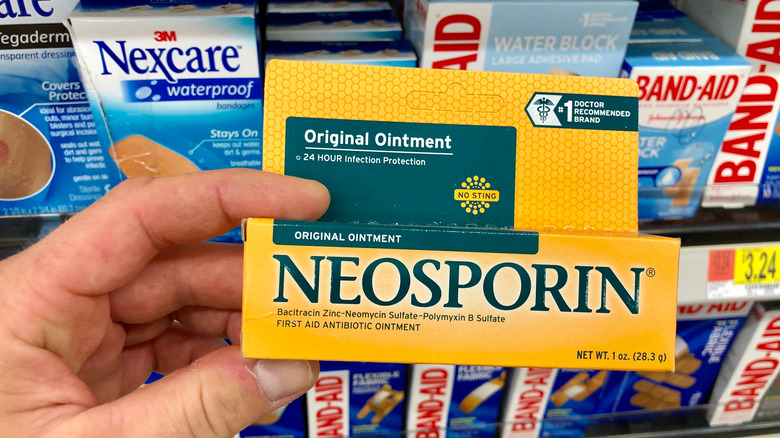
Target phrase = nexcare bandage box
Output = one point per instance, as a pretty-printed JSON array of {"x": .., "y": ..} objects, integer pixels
[
  {"x": 586, "y": 38},
  {"x": 380, "y": 25},
  {"x": 473, "y": 150},
  {"x": 287, "y": 422},
  {"x": 398, "y": 53},
  {"x": 52, "y": 150},
  {"x": 357, "y": 398},
  {"x": 454, "y": 401},
  {"x": 747, "y": 166},
  {"x": 178, "y": 83},
  {"x": 688, "y": 92},
  {"x": 705, "y": 333},
  {"x": 750, "y": 367}
]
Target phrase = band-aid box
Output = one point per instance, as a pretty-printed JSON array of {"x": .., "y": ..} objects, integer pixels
[
  {"x": 769, "y": 407},
  {"x": 52, "y": 156},
  {"x": 287, "y": 421},
  {"x": 576, "y": 395},
  {"x": 747, "y": 165},
  {"x": 705, "y": 334},
  {"x": 304, "y": 6},
  {"x": 380, "y": 25},
  {"x": 397, "y": 53},
  {"x": 454, "y": 400},
  {"x": 586, "y": 38},
  {"x": 468, "y": 149},
  {"x": 525, "y": 401},
  {"x": 679, "y": 28},
  {"x": 357, "y": 398},
  {"x": 688, "y": 93},
  {"x": 552, "y": 402},
  {"x": 179, "y": 84},
  {"x": 750, "y": 367}
]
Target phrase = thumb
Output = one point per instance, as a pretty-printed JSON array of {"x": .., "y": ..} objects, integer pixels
[{"x": 216, "y": 396}]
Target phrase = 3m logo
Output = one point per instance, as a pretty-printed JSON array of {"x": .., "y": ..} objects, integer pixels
[
  {"x": 165, "y": 36},
  {"x": 475, "y": 195}
]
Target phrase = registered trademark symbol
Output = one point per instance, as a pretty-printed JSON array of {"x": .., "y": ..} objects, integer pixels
[{"x": 650, "y": 272}]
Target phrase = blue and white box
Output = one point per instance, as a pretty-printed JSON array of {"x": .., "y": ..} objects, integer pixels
[
  {"x": 688, "y": 92},
  {"x": 52, "y": 150},
  {"x": 398, "y": 53},
  {"x": 455, "y": 400},
  {"x": 705, "y": 334},
  {"x": 179, "y": 83},
  {"x": 585, "y": 38},
  {"x": 382, "y": 25},
  {"x": 356, "y": 398},
  {"x": 677, "y": 29},
  {"x": 304, "y": 6}
]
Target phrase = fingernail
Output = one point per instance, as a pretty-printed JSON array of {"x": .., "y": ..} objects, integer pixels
[{"x": 283, "y": 378}]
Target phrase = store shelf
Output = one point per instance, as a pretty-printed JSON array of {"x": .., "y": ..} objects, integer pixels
[
  {"x": 719, "y": 231},
  {"x": 19, "y": 232},
  {"x": 673, "y": 423}
]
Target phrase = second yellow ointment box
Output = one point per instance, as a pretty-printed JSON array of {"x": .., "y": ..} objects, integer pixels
[{"x": 512, "y": 240}]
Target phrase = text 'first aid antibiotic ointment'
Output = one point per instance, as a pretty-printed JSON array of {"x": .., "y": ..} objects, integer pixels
[{"x": 513, "y": 204}]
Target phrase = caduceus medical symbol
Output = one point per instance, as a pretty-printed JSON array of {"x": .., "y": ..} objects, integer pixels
[{"x": 544, "y": 107}]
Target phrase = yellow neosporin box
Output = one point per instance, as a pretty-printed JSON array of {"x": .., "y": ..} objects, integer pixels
[
  {"x": 451, "y": 147},
  {"x": 490, "y": 152},
  {"x": 467, "y": 296}
]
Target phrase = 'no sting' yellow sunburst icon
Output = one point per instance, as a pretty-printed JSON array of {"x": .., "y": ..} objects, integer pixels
[{"x": 475, "y": 195}]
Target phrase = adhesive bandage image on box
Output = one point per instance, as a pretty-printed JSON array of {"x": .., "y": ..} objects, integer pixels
[
  {"x": 26, "y": 158},
  {"x": 705, "y": 333},
  {"x": 482, "y": 393},
  {"x": 580, "y": 387},
  {"x": 137, "y": 155},
  {"x": 381, "y": 403}
]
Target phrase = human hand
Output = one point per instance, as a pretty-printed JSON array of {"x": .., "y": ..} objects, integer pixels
[{"x": 88, "y": 312}]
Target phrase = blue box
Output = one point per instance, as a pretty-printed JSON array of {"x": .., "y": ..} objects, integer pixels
[
  {"x": 705, "y": 333},
  {"x": 380, "y": 25},
  {"x": 688, "y": 92},
  {"x": 287, "y": 421},
  {"x": 179, "y": 83},
  {"x": 53, "y": 155},
  {"x": 356, "y": 398},
  {"x": 398, "y": 53},
  {"x": 464, "y": 400}
]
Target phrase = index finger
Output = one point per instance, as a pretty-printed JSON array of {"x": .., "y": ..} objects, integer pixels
[{"x": 109, "y": 243}]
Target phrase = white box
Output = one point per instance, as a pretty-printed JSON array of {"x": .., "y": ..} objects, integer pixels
[
  {"x": 750, "y": 367},
  {"x": 586, "y": 38}
]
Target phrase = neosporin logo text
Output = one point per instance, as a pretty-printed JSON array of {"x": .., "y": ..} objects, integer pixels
[
  {"x": 427, "y": 283},
  {"x": 475, "y": 195}
]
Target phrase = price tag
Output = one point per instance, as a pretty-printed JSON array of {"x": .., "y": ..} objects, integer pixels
[
  {"x": 745, "y": 273},
  {"x": 756, "y": 266}
]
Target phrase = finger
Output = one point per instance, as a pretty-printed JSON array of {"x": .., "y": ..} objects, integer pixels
[
  {"x": 202, "y": 274},
  {"x": 107, "y": 244},
  {"x": 175, "y": 348},
  {"x": 205, "y": 321},
  {"x": 218, "y": 395}
]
